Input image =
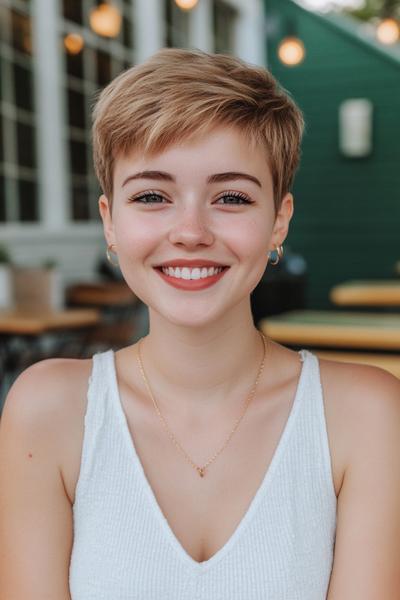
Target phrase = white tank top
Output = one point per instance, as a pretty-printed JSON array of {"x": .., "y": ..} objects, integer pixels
[{"x": 124, "y": 548}]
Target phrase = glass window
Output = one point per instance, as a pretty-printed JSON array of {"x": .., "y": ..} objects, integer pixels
[
  {"x": 127, "y": 32},
  {"x": 2, "y": 200},
  {"x": 72, "y": 10},
  {"x": 21, "y": 32},
  {"x": 80, "y": 204},
  {"x": 76, "y": 109},
  {"x": 23, "y": 87},
  {"x": 103, "y": 68},
  {"x": 78, "y": 158},
  {"x": 75, "y": 64},
  {"x": 26, "y": 145},
  {"x": 177, "y": 25},
  {"x": 1, "y": 140},
  {"x": 224, "y": 27},
  {"x": 27, "y": 200}
]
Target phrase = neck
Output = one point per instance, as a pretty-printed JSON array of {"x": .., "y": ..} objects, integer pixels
[{"x": 205, "y": 367}]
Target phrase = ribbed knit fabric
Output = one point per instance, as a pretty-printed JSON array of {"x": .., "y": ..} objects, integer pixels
[{"x": 124, "y": 548}]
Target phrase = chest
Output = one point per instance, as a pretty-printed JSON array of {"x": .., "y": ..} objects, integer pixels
[{"x": 204, "y": 513}]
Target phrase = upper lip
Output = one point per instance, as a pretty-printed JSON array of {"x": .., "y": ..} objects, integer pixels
[{"x": 185, "y": 262}]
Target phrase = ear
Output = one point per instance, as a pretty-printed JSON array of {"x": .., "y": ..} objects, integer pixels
[
  {"x": 105, "y": 213},
  {"x": 282, "y": 220}
]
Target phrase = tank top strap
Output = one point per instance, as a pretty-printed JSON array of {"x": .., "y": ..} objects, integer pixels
[
  {"x": 97, "y": 416},
  {"x": 314, "y": 425},
  {"x": 98, "y": 386}
]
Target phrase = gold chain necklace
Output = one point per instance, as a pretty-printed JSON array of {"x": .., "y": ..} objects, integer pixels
[{"x": 201, "y": 470}]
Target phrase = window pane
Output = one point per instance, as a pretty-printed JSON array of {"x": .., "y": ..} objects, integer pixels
[
  {"x": 1, "y": 140},
  {"x": 127, "y": 32},
  {"x": 72, "y": 10},
  {"x": 2, "y": 200},
  {"x": 103, "y": 67},
  {"x": 76, "y": 108},
  {"x": 75, "y": 64},
  {"x": 27, "y": 200},
  {"x": 23, "y": 87},
  {"x": 21, "y": 32},
  {"x": 77, "y": 152},
  {"x": 80, "y": 203},
  {"x": 224, "y": 27},
  {"x": 26, "y": 145}
]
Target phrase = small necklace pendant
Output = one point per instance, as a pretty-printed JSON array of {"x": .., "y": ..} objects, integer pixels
[{"x": 200, "y": 471}]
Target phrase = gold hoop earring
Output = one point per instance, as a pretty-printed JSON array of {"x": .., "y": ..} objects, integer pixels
[
  {"x": 279, "y": 250},
  {"x": 109, "y": 255}
]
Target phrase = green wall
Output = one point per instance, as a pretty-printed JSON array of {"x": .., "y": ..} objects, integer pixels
[{"x": 347, "y": 211}]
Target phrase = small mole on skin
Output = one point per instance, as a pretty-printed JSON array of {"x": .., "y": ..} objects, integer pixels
[{"x": 30, "y": 455}]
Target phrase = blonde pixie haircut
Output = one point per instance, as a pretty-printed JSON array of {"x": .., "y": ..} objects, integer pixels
[{"x": 177, "y": 94}]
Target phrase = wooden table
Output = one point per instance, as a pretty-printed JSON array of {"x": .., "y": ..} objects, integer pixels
[
  {"x": 335, "y": 329},
  {"x": 107, "y": 293},
  {"x": 14, "y": 322},
  {"x": 21, "y": 334},
  {"x": 367, "y": 293}
]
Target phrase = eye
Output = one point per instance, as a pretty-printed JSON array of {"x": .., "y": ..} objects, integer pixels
[
  {"x": 149, "y": 197},
  {"x": 235, "y": 198}
]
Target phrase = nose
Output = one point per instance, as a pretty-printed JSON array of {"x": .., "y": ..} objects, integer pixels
[{"x": 191, "y": 228}]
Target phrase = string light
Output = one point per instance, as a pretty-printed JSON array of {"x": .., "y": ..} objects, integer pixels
[
  {"x": 291, "y": 51},
  {"x": 186, "y": 4},
  {"x": 388, "y": 31},
  {"x": 105, "y": 20},
  {"x": 73, "y": 43}
]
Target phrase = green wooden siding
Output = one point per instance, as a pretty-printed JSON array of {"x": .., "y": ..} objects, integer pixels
[{"x": 347, "y": 211}]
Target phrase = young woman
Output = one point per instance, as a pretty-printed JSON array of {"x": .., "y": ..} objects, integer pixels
[{"x": 205, "y": 461}]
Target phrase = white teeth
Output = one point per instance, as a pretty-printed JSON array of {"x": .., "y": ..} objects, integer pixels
[{"x": 187, "y": 273}]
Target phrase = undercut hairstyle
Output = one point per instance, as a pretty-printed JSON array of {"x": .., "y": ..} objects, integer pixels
[{"x": 177, "y": 94}]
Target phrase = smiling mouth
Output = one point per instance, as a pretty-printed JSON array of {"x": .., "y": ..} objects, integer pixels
[{"x": 189, "y": 273}]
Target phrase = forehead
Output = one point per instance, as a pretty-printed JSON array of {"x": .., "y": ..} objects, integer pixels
[{"x": 221, "y": 149}]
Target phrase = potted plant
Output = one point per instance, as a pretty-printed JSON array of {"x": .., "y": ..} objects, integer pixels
[
  {"x": 38, "y": 288},
  {"x": 6, "y": 295}
]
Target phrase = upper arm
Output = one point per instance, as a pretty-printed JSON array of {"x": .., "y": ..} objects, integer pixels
[
  {"x": 367, "y": 549},
  {"x": 35, "y": 513}
]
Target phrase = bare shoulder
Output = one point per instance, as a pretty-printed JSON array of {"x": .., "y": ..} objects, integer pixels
[
  {"x": 361, "y": 402},
  {"x": 39, "y": 421},
  {"x": 48, "y": 402},
  {"x": 363, "y": 413},
  {"x": 48, "y": 390}
]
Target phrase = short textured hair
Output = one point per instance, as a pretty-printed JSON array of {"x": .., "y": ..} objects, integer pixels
[{"x": 177, "y": 93}]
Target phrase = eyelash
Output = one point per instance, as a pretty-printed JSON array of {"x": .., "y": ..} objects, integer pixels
[{"x": 239, "y": 195}]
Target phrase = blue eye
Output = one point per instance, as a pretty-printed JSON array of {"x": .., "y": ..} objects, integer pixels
[
  {"x": 237, "y": 197},
  {"x": 148, "y": 198},
  {"x": 156, "y": 198}
]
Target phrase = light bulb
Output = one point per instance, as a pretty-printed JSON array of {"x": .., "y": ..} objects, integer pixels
[
  {"x": 105, "y": 20},
  {"x": 186, "y": 4},
  {"x": 73, "y": 43},
  {"x": 291, "y": 51},
  {"x": 388, "y": 31}
]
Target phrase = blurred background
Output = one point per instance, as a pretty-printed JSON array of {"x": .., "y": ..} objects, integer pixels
[{"x": 336, "y": 290}]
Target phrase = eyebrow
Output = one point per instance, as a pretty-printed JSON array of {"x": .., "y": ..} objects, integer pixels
[{"x": 216, "y": 178}]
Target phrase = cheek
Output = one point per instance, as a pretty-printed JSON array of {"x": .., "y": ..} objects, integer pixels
[
  {"x": 135, "y": 238},
  {"x": 248, "y": 238}
]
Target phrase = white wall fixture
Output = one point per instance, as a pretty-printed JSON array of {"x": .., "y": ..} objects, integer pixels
[{"x": 355, "y": 127}]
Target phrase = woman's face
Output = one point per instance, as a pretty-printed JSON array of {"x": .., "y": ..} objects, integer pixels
[{"x": 210, "y": 199}]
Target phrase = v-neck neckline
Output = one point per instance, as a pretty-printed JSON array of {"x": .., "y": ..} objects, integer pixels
[{"x": 251, "y": 509}]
